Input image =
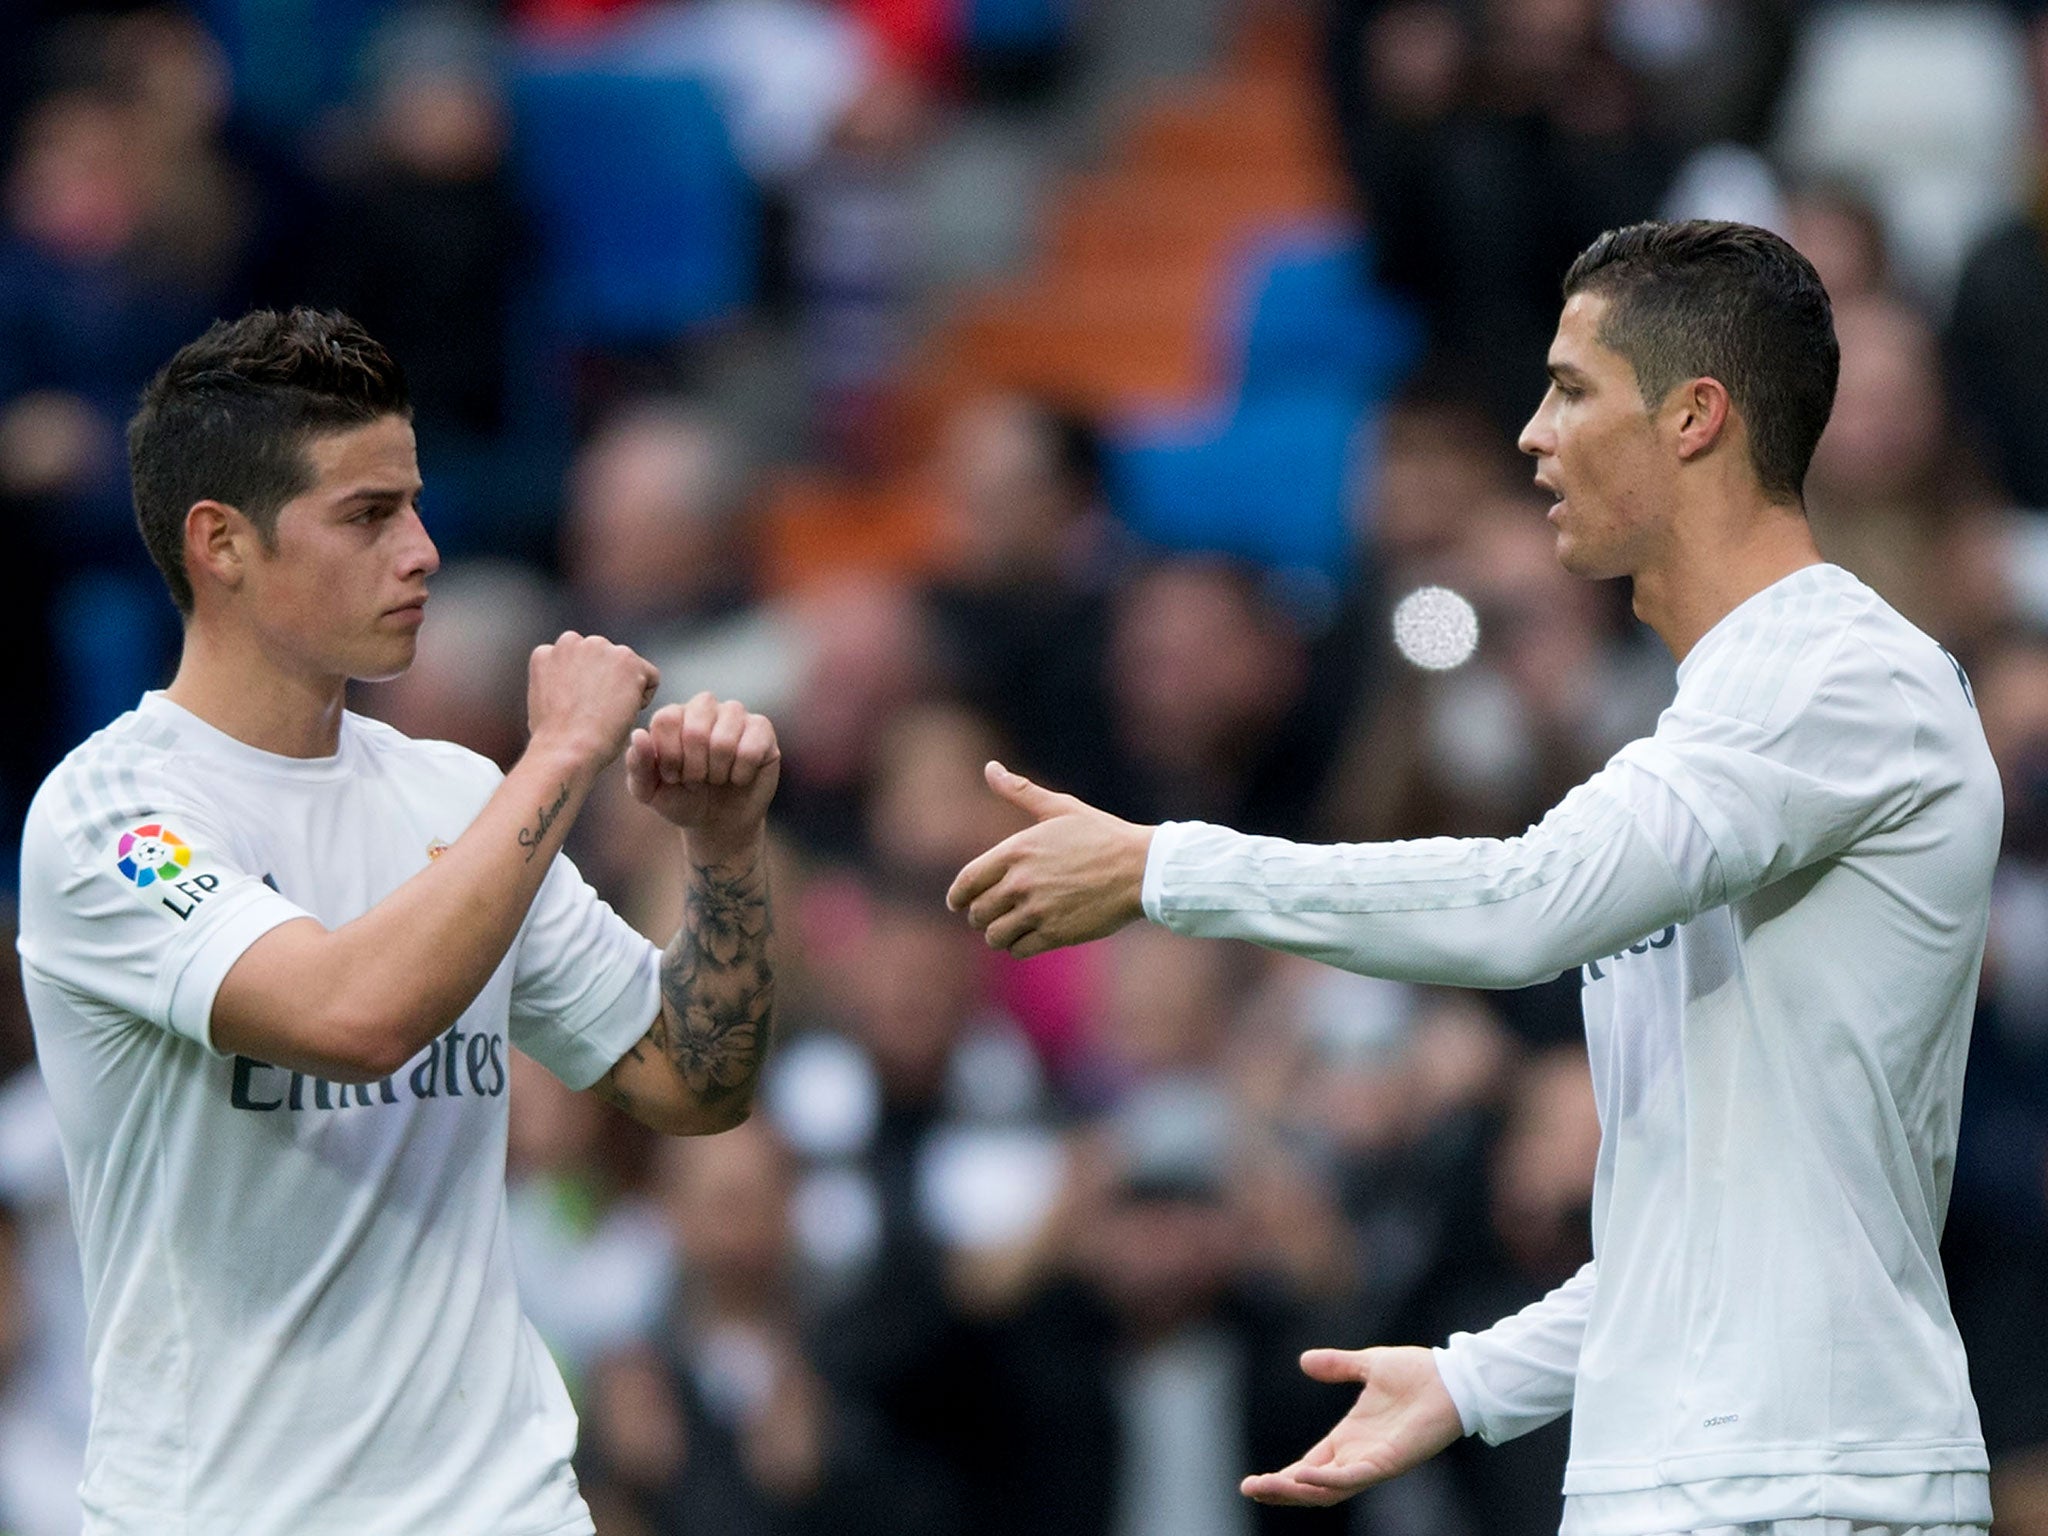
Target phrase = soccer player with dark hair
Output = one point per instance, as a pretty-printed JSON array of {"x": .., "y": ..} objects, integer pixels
[
  {"x": 277, "y": 956},
  {"x": 1777, "y": 903}
]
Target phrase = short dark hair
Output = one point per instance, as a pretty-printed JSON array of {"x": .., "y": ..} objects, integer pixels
[
  {"x": 228, "y": 419},
  {"x": 1706, "y": 298}
]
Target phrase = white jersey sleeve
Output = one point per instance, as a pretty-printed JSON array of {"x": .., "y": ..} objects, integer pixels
[
  {"x": 1710, "y": 809},
  {"x": 1519, "y": 1374},
  {"x": 585, "y": 986},
  {"x": 134, "y": 899}
]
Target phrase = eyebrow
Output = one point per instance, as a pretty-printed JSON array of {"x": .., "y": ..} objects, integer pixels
[
  {"x": 1562, "y": 372},
  {"x": 380, "y": 493}
]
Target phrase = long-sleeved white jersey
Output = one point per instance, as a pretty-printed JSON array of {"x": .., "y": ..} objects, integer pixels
[{"x": 1778, "y": 902}]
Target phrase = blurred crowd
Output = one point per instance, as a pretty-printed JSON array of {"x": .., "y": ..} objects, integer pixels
[{"x": 1031, "y": 1246}]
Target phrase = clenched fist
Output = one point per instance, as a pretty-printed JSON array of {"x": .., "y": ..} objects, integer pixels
[
  {"x": 583, "y": 694},
  {"x": 710, "y": 767}
]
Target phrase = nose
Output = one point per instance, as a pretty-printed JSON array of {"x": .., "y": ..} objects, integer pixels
[
  {"x": 421, "y": 557},
  {"x": 1537, "y": 440}
]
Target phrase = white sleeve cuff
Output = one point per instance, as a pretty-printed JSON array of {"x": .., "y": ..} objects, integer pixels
[
  {"x": 187, "y": 991},
  {"x": 1164, "y": 839},
  {"x": 579, "y": 1060},
  {"x": 1459, "y": 1382}
]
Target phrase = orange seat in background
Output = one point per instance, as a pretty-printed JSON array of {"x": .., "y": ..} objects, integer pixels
[{"x": 819, "y": 526}]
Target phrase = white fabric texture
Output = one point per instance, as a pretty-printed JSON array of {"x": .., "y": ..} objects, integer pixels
[
  {"x": 1779, "y": 902},
  {"x": 302, "y": 1314}
]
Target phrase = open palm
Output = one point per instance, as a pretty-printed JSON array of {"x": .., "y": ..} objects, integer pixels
[{"x": 1401, "y": 1419}]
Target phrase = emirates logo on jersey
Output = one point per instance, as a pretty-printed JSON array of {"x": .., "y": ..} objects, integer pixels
[{"x": 151, "y": 853}]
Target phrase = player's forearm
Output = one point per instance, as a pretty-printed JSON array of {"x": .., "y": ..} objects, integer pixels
[
  {"x": 1476, "y": 912},
  {"x": 406, "y": 969},
  {"x": 718, "y": 982}
]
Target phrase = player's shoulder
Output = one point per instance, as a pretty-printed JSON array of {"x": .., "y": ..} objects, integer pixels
[
  {"x": 385, "y": 747},
  {"x": 1820, "y": 641},
  {"x": 134, "y": 765}
]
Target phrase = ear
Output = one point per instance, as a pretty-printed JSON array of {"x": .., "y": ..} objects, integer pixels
[
  {"x": 1700, "y": 412},
  {"x": 219, "y": 543}
]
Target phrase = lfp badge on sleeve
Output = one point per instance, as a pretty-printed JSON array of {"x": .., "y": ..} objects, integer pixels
[{"x": 158, "y": 863}]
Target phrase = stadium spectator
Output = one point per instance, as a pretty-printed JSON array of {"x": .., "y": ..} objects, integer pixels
[
  {"x": 653, "y": 532},
  {"x": 1162, "y": 1013},
  {"x": 1439, "y": 459},
  {"x": 1524, "y": 1233},
  {"x": 423, "y": 240},
  {"x": 717, "y": 1418},
  {"x": 1997, "y": 1248},
  {"x": 1489, "y": 144},
  {"x": 2000, "y": 319},
  {"x": 1165, "y": 1272},
  {"x": 923, "y": 1134},
  {"x": 89, "y": 302},
  {"x": 864, "y": 650},
  {"x": 1557, "y": 685},
  {"x": 1206, "y": 674},
  {"x": 1889, "y": 494},
  {"x": 1843, "y": 236},
  {"x": 921, "y": 810},
  {"x": 1022, "y": 619}
]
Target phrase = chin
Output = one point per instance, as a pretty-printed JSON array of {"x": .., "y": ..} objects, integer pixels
[
  {"x": 1582, "y": 562},
  {"x": 381, "y": 668}
]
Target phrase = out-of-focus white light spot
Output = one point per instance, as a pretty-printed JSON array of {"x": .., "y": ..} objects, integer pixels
[{"x": 1436, "y": 629}]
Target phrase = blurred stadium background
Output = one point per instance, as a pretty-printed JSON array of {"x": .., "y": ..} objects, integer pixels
[{"x": 1079, "y": 381}]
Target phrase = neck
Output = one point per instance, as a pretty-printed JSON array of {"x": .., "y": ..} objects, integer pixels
[
  {"x": 1714, "y": 564},
  {"x": 231, "y": 684}
]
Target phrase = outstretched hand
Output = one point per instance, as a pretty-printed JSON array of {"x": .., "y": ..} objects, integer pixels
[
  {"x": 1402, "y": 1418},
  {"x": 1076, "y": 874}
]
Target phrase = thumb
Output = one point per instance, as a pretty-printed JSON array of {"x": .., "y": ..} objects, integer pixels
[
  {"x": 1022, "y": 793},
  {"x": 1335, "y": 1364}
]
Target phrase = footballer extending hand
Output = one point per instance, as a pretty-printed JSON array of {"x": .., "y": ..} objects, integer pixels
[
  {"x": 1404, "y": 1415},
  {"x": 1077, "y": 874}
]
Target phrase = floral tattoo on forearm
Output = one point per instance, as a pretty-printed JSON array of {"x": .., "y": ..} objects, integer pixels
[{"x": 718, "y": 983}]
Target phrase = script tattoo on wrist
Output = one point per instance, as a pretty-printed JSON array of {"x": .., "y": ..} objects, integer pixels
[
  {"x": 718, "y": 983},
  {"x": 530, "y": 837}
]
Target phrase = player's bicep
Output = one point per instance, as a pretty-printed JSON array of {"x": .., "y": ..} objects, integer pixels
[
  {"x": 646, "y": 1084},
  {"x": 278, "y": 1004}
]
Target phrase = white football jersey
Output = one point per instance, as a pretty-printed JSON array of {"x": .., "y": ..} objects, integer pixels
[
  {"x": 1779, "y": 904},
  {"x": 303, "y": 1319}
]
